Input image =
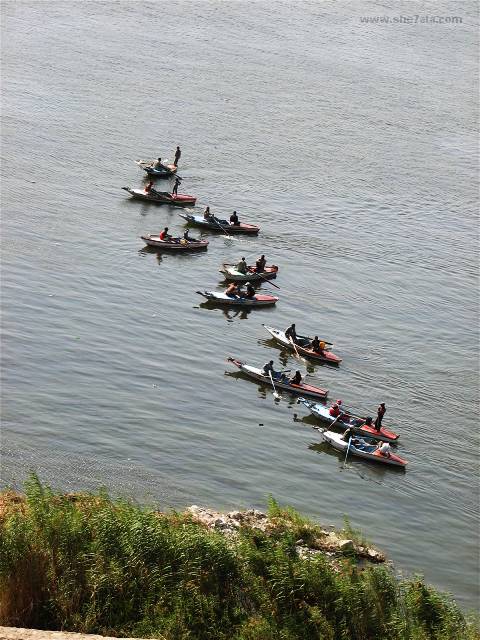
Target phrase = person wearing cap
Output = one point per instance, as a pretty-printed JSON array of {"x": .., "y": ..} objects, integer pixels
[
  {"x": 234, "y": 219},
  {"x": 164, "y": 235},
  {"x": 242, "y": 266},
  {"x": 250, "y": 290},
  {"x": 178, "y": 153},
  {"x": 291, "y": 333},
  {"x": 381, "y": 411},
  {"x": 297, "y": 378}
]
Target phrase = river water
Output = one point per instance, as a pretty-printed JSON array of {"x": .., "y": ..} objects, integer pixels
[{"x": 353, "y": 146}]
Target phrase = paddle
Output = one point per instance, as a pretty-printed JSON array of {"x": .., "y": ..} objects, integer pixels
[
  {"x": 348, "y": 448},
  {"x": 220, "y": 226},
  {"x": 266, "y": 279},
  {"x": 290, "y": 339},
  {"x": 275, "y": 394}
]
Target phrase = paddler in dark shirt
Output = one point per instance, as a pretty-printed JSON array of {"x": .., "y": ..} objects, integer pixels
[
  {"x": 234, "y": 219},
  {"x": 250, "y": 290},
  {"x": 260, "y": 264},
  {"x": 381, "y": 411},
  {"x": 291, "y": 333},
  {"x": 297, "y": 378},
  {"x": 175, "y": 186},
  {"x": 268, "y": 368}
]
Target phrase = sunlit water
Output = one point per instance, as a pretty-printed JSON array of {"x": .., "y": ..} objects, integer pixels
[{"x": 353, "y": 147}]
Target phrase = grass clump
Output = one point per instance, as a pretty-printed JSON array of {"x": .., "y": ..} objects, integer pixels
[{"x": 96, "y": 565}]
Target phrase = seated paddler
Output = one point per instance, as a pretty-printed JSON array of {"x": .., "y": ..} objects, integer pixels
[
  {"x": 297, "y": 378},
  {"x": 232, "y": 291},
  {"x": 249, "y": 290},
  {"x": 234, "y": 219},
  {"x": 242, "y": 266}
]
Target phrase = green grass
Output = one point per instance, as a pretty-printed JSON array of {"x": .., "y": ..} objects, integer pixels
[{"x": 96, "y": 565}]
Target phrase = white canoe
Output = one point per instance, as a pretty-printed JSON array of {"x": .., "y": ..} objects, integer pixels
[
  {"x": 322, "y": 412},
  {"x": 326, "y": 356},
  {"x": 258, "y": 300},
  {"x": 259, "y": 374},
  {"x": 363, "y": 450},
  {"x": 175, "y": 244}
]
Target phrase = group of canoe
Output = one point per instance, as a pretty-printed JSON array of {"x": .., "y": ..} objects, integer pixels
[{"x": 361, "y": 437}]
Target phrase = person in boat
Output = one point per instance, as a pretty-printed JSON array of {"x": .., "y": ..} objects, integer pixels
[
  {"x": 242, "y": 266},
  {"x": 164, "y": 235},
  {"x": 334, "y": 410},
  {"x": 260, "y": 264},
  {"x": 148, "y": 186},
  {"x": 385, "y": 449},
  {"x": 347, "y": 434},
  {"x": 233, "y": 291},
  {"x": 381, "y": 411},
  {"x": 206, "y": 214},
  {"x": 175, "y": 186},
  {"x": 178, "y": 153},
  {"x": 291, "y": 333},
  {"x": 367, "y": 423},
  {"x": 268, "y": 369},
  {"x": 297, "y": 378},
  {"x": 234, "y": 219},
  {"x": 249, "y": 290},
  {"x": 158, "y": 165}
]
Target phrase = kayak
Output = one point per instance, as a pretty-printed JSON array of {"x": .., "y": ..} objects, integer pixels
[
  {"x": 258, "y": 300},
  {"x": 175, "y": 244},
  {"x": 230, "y": 273},
  {"x": 261, "y": 376},
  {"x": 162, "y": 197},
  {"x": 147, "y": 166},
  {"x": 301, "y": 346},
  {"x": 348, "y": 420},
  {"x": 220, "y": 225},
  {"x": 363, "y": 450}
]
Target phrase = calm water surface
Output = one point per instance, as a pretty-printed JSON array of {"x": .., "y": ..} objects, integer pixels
[{"x": 353, "y": 147}]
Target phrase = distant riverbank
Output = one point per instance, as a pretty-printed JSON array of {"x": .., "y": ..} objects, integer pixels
[{"x": 91, "y": 564}]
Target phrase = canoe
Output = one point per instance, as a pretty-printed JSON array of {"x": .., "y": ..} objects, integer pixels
[
  {"x": 220, "y": 225},
  {"x": 162, "y": 197},
  {"x": 258, "y": 300},
  {"x": 170, "y": 169},
  {"x": 322, "y": 412},
  {"x": 363, "y": 450},
  {"x": 259, "y": 374},
  {"x": 230, "y": 273},
  {"x": 326, "y": 356},
  {"x": 175, "y": 244}
]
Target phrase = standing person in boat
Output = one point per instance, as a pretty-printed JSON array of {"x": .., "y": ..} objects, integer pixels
[
  {"x": 297, "y": 378},
  {"x": 260, "y": 264},
  {"x": 242, "y": 266},
  {"x": 164, "y": 235},
  {"x": 234, "y": 219},
  {"x": 175, "y": 186},
  {"x": 250, "y": 290},
  {"x": 148, "y": 186},
  {"x": 381, "y": 411},
  {"x": 291, "y": 333},
  {"x": 178, "y": 153}
]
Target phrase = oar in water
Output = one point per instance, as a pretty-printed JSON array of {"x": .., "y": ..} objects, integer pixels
[
  {"x": 266, "y": 279},
  {"x": 348, "y": 449},
  {"x": 221, "y": 227},
  {"x": 275, "y": 394}
]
